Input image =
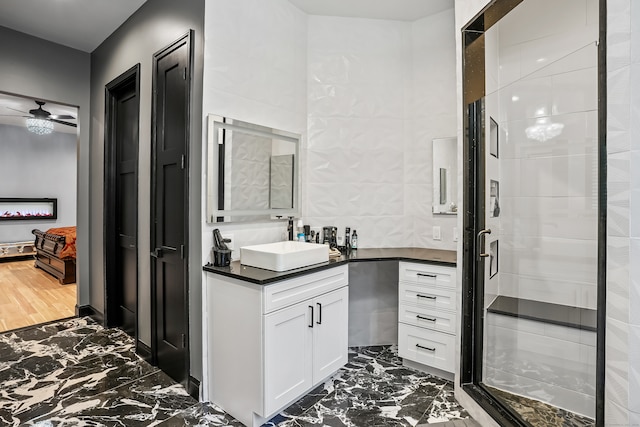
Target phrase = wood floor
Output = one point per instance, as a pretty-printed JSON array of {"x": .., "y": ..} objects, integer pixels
[{"x": 29, "y": 296}]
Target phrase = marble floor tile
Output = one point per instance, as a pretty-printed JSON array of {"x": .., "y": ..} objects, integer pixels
[{"x": 76, "y": 373}]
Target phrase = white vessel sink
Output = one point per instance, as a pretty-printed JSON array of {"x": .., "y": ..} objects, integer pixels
[{"x": 283, "y": 256}]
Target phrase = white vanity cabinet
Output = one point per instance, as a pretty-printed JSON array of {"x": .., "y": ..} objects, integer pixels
[
  {"x": 268, "y": 345},
  {"x": 427, "y": 317}
]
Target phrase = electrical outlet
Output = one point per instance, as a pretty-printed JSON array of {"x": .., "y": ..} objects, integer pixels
[
  {"x": 455, "y": 234},
  {"x": 436, "y": 233},
  {"x": 230, "y": 237}
]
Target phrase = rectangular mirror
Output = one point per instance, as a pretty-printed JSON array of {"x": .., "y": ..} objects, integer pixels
[
  {"x": 252, "y": 171},
  {"x": 445, "y": 176}
]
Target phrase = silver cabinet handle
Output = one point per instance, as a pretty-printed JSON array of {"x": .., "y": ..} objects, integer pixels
[{"x": 481, "y": 245}]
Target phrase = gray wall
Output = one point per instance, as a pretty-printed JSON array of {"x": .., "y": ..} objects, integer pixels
[
  {"x": 38, "y": 166},
  {"x": 40, "y": 69},
  {"x": 155, "y": 25}
]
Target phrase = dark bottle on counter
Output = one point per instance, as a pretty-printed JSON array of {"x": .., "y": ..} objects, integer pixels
[
  {"x": 347, "y": 239},
  {"x": 354, "y": 240}
]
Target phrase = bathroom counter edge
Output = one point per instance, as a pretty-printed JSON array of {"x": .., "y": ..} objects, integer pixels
[{"x": 264, "y": 277}]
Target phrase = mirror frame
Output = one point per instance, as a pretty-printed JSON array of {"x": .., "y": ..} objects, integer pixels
[{"x": 213, "y": 212}]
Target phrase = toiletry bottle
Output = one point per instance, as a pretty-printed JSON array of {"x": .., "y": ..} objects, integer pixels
[
  {"x": 301, "y": 237},
  {"x": 354, "y": 240},
  {"x": 347, "y": 239}
]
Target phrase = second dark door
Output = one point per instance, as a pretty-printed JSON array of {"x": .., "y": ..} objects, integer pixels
[
  {"x": 121, "y": 201},
  {"x": 170, "y": 209}
]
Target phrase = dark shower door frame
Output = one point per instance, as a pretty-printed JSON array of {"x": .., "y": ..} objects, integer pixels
[{"x": 474, "y": 218}]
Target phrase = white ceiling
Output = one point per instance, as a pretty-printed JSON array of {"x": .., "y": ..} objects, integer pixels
[
  {"x": 397, "y": 10},
  {"x": 84, "y": 24},
  {"x": 80, "y": 24},
  {"x": 10, "y": 103}
]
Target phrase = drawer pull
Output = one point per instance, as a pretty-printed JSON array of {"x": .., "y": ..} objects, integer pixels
[
  {"x": 430, "y": 319},
  {"x": 425, "y": 296},
  {"x": 319, "y": 321},
  {"x": 425, "y": 348},
  {"x": 433, "y": 276}
]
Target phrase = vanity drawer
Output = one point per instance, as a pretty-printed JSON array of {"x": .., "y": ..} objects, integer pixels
[
  {"x": 428, "y": 347},
  {"x": 423, "y": 317},
  {"x": 292, "y": 291},
  {"x": 424, "y": 296},
  {"x": 434, "y": 275}
]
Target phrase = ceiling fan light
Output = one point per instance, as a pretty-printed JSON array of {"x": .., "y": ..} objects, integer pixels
[{"x": 39, "y": 126}]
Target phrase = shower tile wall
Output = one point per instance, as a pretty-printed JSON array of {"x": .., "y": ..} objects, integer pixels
[
  {"x": 537, "y": 76},
  {"x": 548, "y": 189},
  {"x": 622, "y": 383}
]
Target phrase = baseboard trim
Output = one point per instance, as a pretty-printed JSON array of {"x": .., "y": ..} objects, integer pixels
[
  {"x": 143, "y": 351},
  {"x": 87, "y": 310},
  {"x": 193, "y": 387}
]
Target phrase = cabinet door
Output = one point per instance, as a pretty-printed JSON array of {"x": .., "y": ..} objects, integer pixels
[
  {"x": 288, "y": 337},
  {"x": 330, "y": 333}
]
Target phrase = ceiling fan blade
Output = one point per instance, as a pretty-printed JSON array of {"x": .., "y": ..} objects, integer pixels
[
  {"x": 61, "y": 117},
  {"x": 64, "y": 123},
  {"x": 11, "y": 115},
  {"x": 19, "y": 111}
]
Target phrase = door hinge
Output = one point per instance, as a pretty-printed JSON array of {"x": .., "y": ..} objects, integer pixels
[
  {"x": 182, "y": 161},
  {"x": 184, "y": 341},
  {"x": 182, "y": 251},
  {"x": 184, "y": 74}
]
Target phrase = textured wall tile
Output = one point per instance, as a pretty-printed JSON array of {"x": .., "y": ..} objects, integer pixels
[
  {"x": 617, "y": 382},
  {"x": 618, "y": 86},
  {"x": 634, "y": 282},
  {"x": 635, "y": 32},
  {"x": 365, "y": 78},
  {"x": 618, "y": 33},
  {"x": 634, "y": 368},
  {"x": 616, "y": 415},
  {"x": 618, "y": 258}
]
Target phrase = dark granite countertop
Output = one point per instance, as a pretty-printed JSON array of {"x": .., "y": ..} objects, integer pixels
[{"x": 264, "y": 277}]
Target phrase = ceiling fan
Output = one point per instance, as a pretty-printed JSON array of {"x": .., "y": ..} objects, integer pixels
[{"x": 42, "y": 114}]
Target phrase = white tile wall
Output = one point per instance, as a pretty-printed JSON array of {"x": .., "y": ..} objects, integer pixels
[
  {"x": 368, "y": 96},
  {"x": 255, "y": 71},
  {"x": 375, "y": 102},
  {"x": 623, "y": 211}
]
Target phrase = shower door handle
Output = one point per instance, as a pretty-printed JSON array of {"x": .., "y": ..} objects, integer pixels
[{"x": 480, "y": 241}]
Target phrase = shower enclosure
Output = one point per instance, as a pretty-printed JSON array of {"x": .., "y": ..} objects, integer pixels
[{"x": 532, "y": 156}]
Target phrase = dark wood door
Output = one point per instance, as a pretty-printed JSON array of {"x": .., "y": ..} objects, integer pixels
[
  {"x": 170, "y": 209},
  {"x": 121, "y": 201}
]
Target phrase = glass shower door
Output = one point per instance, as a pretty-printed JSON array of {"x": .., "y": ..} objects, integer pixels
[{"x": 540, "y": 257}]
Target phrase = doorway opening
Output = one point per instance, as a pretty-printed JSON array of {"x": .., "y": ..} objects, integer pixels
[{"x": 38, "y": 211}]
